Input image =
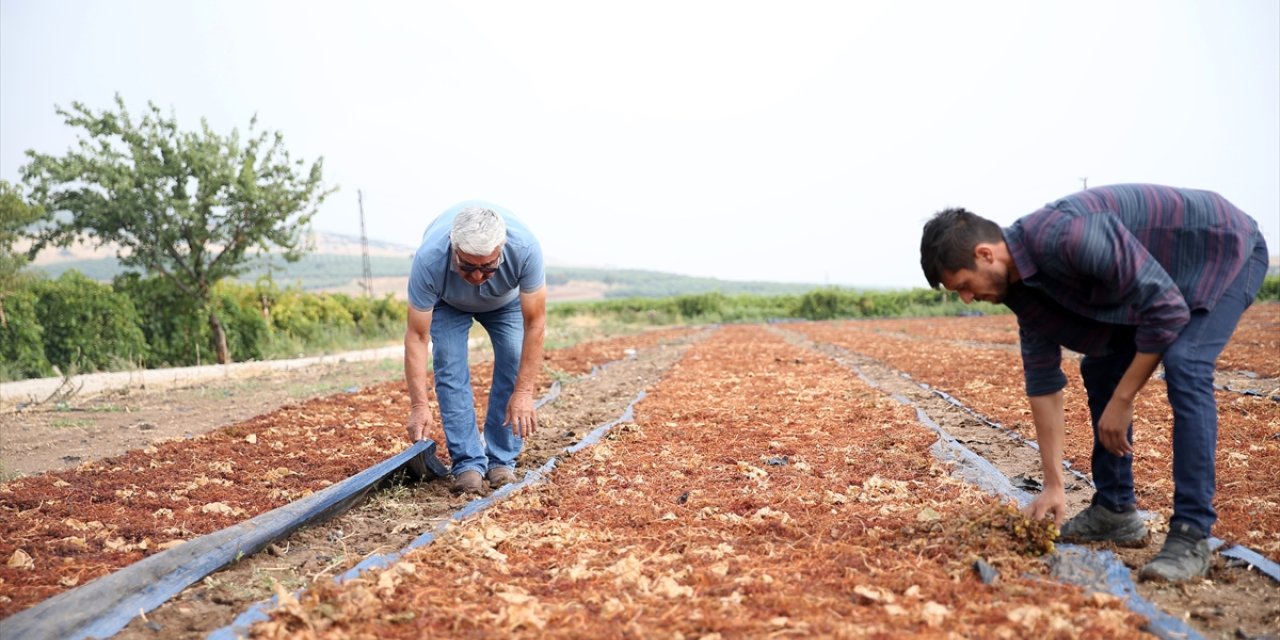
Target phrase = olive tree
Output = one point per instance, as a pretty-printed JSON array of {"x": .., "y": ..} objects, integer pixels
[{"x": 191, "y": 206}]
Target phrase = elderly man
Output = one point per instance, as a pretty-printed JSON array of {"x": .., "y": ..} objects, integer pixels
[
  {"x": 1129, "y": 276},
  {"x": 476, "y": 262}
]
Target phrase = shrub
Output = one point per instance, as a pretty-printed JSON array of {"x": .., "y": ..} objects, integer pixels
[
  {"x": 176, "y": 331},
  {"x": 21, "y": 338},
  {"x": 1270, "y": 288},
  {"x": 86, "y": 325}
]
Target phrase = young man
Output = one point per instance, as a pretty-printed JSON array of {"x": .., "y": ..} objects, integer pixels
[
  {"x": 1129, "y": 276},
  {"x": 476, "y": 262}
]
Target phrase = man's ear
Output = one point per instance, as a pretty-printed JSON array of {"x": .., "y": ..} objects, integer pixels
[{"x": 984, "y": 253}]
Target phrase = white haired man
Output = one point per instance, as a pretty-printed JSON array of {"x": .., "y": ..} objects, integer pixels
[{"x": 477, "y": 262}]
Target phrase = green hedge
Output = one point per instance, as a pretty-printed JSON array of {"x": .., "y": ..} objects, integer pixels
[
  {"x": 818, "y": 304},
  {"x": 81, "y": 325},
  {"x": 77, "y": 324},
  {"x": 22, "y": 339},
  {"x": 1270, "y": 288},
  {"x": 86, "y": 325}
]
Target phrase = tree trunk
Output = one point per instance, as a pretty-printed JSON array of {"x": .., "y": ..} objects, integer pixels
[{"x": 219, "y": 338}]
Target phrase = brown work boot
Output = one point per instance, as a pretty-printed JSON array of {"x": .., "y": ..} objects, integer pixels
[
  {"x": 499, "y": 476},
  {"x": 468, "y": 482}
]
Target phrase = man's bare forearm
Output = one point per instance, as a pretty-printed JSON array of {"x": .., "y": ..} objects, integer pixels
[
  {"x": 1047, "y": 413},
  {"x": 415, "y": 369},
  {"x": 417, "y": 348},
  {"x": 531, "y": 358},
  {"x": 1136, "y": 376}
]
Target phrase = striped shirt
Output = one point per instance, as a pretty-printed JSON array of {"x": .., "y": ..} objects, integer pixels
[{"x": 1121, "y": 262}]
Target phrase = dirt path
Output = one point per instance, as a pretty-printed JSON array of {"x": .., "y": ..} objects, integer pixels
[
  {"x": 394, "y": 516},
  {"x": 1234, "y": 602},
  {"x": 108, "y": 418}
]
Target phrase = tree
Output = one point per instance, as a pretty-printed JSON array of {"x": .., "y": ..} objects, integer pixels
[
  {"x": 192, "y": 207},
  {"x": 16, "y": 214}
]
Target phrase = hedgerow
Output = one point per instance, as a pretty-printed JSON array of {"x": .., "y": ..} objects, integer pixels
[{"x": 77, "y": 324}]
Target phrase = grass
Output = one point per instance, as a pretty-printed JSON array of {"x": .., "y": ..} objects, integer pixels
[
  {"x": 265, "y": 583},
  {"x": 71, "y": 423},
  {"x": 572, "y": 330},
  {"x": 107, "y": 408}
]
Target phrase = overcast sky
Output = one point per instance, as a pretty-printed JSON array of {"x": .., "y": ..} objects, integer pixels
[{"x": 784, "y": 141}]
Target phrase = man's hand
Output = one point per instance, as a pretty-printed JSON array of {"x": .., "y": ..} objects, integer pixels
[
  {"x": 521, "y": 416},
  {"x": 1051, "y": 503},
  {"x": 420, "y": 419},
  {"x": 1113, "y": 427}
]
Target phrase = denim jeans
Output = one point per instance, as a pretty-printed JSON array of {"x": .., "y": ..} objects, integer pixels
[
  {"x": 496, "y": 445},
  {"x": 1188, "y": 372}
]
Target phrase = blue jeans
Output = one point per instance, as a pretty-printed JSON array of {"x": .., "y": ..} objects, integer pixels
[
  {"x": 470, "y": 449},
  {"x": 1188, "y": 371}
]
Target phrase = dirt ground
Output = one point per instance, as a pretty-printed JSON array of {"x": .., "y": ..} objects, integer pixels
[
  {"x": 62, "y": 435},
  {"x": 1234, "y": 602},
  {"x": 394, "y": 516}
]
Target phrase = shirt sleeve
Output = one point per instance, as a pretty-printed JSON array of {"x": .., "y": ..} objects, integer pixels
[
  {"x": 423, "y": 290},
  {"x": 1097, "y": 248},
  {"x": 1041, "y": 363},
  {"x": 532, "y": 271}
]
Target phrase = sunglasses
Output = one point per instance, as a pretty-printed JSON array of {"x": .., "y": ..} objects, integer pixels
[{"x": 466, "y": 267}]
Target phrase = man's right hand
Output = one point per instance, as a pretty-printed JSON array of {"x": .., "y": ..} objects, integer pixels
[
  {"x": 1050, "y": 503},
  {"x": 420, "y": 419}
]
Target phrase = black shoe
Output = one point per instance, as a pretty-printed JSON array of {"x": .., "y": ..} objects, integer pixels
[
  {"x": 1100, "y": 524},
  {"x": 1185, "y": 555}
]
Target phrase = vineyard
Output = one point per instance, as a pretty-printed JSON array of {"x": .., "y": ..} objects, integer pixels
[{"x": 841, "y": 478}]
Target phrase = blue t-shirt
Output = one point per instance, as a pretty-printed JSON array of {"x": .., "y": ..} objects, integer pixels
[{"x": 433, "y": 278}]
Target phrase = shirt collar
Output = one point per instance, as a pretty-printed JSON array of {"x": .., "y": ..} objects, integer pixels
[{"x": 1027, "y": 269}]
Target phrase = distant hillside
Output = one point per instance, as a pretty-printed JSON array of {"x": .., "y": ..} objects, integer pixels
[
  {"x": 336, "y": 265},
  {"x": 631, "y": 283}
]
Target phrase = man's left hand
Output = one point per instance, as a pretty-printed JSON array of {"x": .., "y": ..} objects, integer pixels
[
  {"x": 521, "y": 416},
  {"x": 1113, "y": 427}
]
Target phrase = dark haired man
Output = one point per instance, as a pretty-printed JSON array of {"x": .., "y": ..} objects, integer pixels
[{"x": 1129, "y": 276}]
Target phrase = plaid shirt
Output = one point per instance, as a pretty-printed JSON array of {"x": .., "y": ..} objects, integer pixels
[{"x": 1119, "y": 263}]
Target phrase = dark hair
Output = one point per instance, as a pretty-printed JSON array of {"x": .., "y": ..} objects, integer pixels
[{"x": 949, "y": 239}]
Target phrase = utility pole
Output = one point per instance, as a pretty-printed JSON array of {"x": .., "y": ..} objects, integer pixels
[{"x": 367, "y": 283}]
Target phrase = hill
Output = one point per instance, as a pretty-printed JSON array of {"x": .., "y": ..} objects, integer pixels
[{"x": 335, "y": 266}]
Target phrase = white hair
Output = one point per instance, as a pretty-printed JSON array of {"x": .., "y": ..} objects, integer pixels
[{"x": 478, "y": 231}]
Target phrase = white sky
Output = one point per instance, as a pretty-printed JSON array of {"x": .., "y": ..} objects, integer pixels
[{"x": 785, "y": 141}]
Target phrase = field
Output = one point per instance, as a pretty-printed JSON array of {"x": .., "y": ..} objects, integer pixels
[{"x": 775, "y": 480}]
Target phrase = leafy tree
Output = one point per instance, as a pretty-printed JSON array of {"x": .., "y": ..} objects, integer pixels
[
  {"x": 16, "y": 214},
  {"x": 192, "y": 207}
]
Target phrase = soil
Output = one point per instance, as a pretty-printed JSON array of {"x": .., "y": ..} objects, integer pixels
[
  {"x": 761, "y": 491},
  {"x": 397, "y": 514},
  {"x": 1233, "y": 602},
  {"x": 988, "y": 378},
  {"x": 82, "y": 428}
]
